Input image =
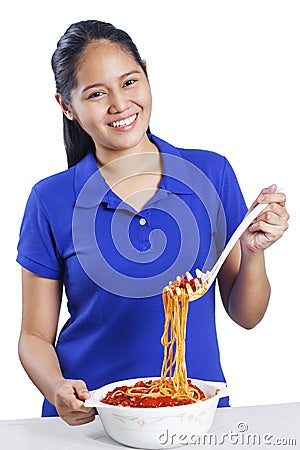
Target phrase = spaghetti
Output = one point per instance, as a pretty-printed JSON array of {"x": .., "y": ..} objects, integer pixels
[{"x": 173, "y": 387}]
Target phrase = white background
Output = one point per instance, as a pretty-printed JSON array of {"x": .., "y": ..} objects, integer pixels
[{"x": 225, "y": 76}]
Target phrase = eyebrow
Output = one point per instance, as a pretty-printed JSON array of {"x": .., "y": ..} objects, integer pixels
[{"x": 125, "y": 75}]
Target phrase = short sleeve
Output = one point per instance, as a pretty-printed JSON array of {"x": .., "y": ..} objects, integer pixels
[
  {"x": 232, "y": 199},
  {"x": 37, "y": 250}
]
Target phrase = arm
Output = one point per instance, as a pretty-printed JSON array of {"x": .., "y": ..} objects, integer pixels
[
  {"x": 243, "y": 281},
  {"x": 41, "y": 307}
]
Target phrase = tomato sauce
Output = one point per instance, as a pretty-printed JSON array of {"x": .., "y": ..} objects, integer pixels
[
  {"x": 118, "y": 397},
  {"x": 182, "y": 282}
]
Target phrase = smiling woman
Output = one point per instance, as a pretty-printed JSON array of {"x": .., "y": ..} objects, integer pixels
[{"x": 130, "y": 213}]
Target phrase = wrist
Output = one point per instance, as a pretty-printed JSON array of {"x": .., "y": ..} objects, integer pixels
[
  {"x": 251, "y": 253},
  {"x": 253, "y": 262}
]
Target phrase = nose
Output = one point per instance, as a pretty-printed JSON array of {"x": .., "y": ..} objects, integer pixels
[{"x": 118, "y": 102}]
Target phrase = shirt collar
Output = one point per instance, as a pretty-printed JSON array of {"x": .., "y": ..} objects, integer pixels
[
  {"x": 91, "y": 188},
  {"x": 87, "y": 176},
  {"x": 176, "y": 178}
]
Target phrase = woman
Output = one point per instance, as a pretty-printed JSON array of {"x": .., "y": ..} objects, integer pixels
[{"x": 131, "y": 213}]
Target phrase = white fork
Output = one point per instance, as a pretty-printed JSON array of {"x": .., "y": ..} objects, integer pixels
[{"x": 209, "y": 277}]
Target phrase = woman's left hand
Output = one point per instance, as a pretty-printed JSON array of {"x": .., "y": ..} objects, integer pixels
[{"x": 271, "y": 223}]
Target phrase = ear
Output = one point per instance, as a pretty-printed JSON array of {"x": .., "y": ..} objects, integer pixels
[
  {"x": 145, "y": 63},
  {"x": 67, "y": 111}
]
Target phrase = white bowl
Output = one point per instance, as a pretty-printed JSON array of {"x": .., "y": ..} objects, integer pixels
[{"x": 157, "y": 428}]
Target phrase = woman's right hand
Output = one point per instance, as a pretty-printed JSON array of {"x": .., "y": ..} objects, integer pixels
[{"x": 69, "y": 402}]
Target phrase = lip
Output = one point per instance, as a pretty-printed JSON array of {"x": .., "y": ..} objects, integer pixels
[{"x": 124, "y": 127}]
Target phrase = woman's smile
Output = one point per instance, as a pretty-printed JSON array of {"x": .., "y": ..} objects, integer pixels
[{"x": 124, "y": 124}]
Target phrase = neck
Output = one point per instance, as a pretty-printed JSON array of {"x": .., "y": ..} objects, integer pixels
[
  {"x": 144, "y": 158},
  {"x": 134, "y": 174},
  {"x": 106, "y": 156}
]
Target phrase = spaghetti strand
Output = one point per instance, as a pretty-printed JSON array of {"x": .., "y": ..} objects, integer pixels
[{"x": 173, "y": 387}]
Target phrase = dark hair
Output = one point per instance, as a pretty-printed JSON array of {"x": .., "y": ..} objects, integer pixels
[{"x": 64, "y": 64}]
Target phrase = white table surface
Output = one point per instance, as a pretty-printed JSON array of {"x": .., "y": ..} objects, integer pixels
[{"x": 260, "y": 427}]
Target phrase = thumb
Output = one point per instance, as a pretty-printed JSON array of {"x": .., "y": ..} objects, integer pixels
[
  {"x": 81, "y": 390},
  {"x": 269, "y": 190}
]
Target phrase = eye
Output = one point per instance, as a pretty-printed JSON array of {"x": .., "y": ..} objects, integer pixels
[
  {"x": 129, "y": 82},
  {"x": 96, "y": 94}
]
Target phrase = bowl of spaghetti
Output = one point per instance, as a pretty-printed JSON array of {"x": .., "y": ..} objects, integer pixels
[
  {"x": 158, "y": 412},
  {"x": 155, "y": 422}
]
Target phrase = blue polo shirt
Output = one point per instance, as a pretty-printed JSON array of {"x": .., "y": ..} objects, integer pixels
[{"x": 115, "y": 261}]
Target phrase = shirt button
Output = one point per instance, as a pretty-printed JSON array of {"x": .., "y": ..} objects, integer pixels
[{"x": 142, "y": 221}]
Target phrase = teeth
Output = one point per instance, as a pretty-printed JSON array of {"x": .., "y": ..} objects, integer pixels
[{"x": 123, "y": 123}]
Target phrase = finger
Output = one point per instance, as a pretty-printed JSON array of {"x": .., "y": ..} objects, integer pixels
[
  {"x": 271, "y": 231},
  {"x": 81, "y": 390},
  {"x": 70, "y": 396},
  {"x": 265, "y": 192},
  {"x": 66, "y": 396},
  {"x": 277, "y": 197},
  {"x": 269, "y": 190},
  {"x": 274, "y": 214},
  {"x": 267, "y": 195},
  {"x": 79, "y": 418},
  {"x": 85, "y": 410},
  {"x": 83, "y": 420},
  {"x": 261, "y": 197}
]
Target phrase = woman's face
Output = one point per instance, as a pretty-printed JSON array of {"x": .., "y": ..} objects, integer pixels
[{"x": 112, "y": 99}]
